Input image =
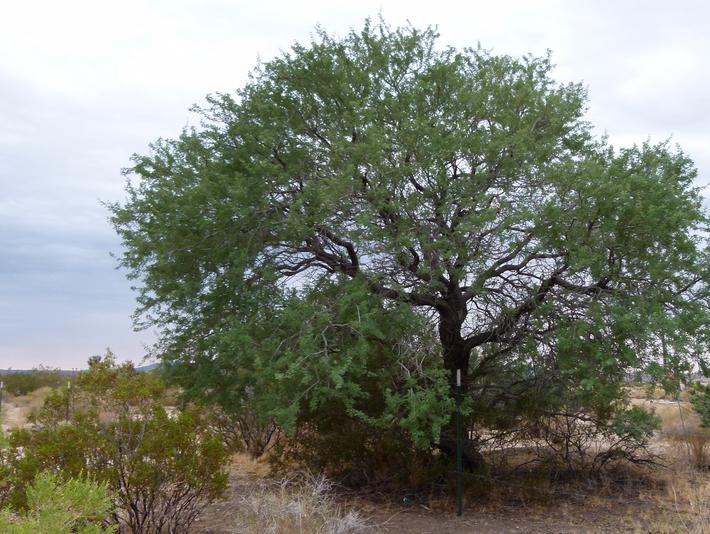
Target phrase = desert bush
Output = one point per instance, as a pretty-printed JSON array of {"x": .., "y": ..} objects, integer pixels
[
  {"x": 580, "y": 442},
  {"x": 294, "y": 507},
  {"x": 5, "y": 471},
  {"x": 244, "y": 430},
  {"x": 692, "y": 433},
  {"x": 697, "y": 443},
  {"x": 61, "y": 507},
  {"x": 161, "y": 469},
  {"x": 692, "y": 443}
]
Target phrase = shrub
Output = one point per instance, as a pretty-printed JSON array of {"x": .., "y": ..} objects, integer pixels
[
  {"x": 244, "y": 430},
  {"x": 694, "y": 438},
  {"x": 582, "y": 442},
  {"x": 162, "y": 470},
  {"x": 61, "y": 507},
  {"x": 5, "y": 471},
  {"x": 347, "y": 450}
]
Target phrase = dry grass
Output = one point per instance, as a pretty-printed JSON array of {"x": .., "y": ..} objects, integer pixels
[
  {"x": 289, "y": 507},
  {"x": 16, "y": 411},
  {"x": 649, "y": 393},
  {"x": 683, "y": 509}
]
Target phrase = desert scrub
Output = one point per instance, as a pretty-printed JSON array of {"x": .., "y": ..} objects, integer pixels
[
  {"x": 55, "y": 506},
  {"x": 290, "y": 507},
  {"x": 162, "y": 469}
]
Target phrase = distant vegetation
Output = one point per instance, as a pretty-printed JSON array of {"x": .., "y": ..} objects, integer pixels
[{"x": 24, "y": 382}]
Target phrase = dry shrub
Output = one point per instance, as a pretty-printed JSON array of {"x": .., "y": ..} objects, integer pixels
[
  {"x": 692, "y": 444},
  {"x": 244, "y": 430},
  {"x": 687, "y": 504},
  {"x": 304, "y": 507},
  {"x": 580, "y": 443},
  {"x": 19, "y": 410},
  {"x": 697, "y": 506},
  {"x": 676, "y": 417}
]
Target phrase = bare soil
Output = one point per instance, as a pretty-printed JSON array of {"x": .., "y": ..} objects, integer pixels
[{"x": 649, "y": 513}]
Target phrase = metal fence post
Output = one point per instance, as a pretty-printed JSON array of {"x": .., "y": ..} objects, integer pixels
[{"x": 459, "y": 447}]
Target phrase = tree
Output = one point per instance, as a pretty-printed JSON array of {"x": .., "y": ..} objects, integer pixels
[{"x": 359, "y": 193}]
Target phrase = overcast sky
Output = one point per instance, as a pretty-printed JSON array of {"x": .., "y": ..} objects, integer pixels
[{"x": 83, "y": 85}]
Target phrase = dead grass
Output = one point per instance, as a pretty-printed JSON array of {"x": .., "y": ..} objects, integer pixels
[
  {"x": 296, "y": 507},
  {"x": 647, "y": 392},
  {"x": 684, "y": 507}
]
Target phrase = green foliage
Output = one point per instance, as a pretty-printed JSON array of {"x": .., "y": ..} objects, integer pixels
[
  {"x": 331, "y": 348},
  {"x": 22, "y": 383},
  {"x": 162, "y": 469},
  {"x": 3, "y": 437},
  {"x": 61, "y": 507},
  {"x": 362, "y": 196},
  {"x": 635, "y": 424},
  {"x": 700, "y": 400}
]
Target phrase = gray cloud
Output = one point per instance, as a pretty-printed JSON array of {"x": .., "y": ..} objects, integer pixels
[{"x": 87, "y": 84}]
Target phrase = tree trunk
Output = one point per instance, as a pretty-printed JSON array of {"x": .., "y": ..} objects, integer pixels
[{"x": 456, "y": 356}]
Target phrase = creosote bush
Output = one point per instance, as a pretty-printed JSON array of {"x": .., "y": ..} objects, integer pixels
[{"x": 162, "y": 469}]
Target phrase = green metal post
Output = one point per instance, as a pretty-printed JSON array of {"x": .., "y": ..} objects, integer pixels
[
  {"x": 68, "y": 399},
  {"x": 459, "y": 447}
]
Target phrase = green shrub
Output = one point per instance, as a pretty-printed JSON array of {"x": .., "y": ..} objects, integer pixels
[
  {"x": 162, "y": 469},
  {"x": 61, "y": 507}
]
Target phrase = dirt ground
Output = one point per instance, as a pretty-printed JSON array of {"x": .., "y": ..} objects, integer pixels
[
  {"x": 664, "y": 509},
  {"x": 653, "y": 513}
]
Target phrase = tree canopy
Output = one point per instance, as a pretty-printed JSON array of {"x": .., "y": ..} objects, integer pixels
[{"x": 370, "y": 213}]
